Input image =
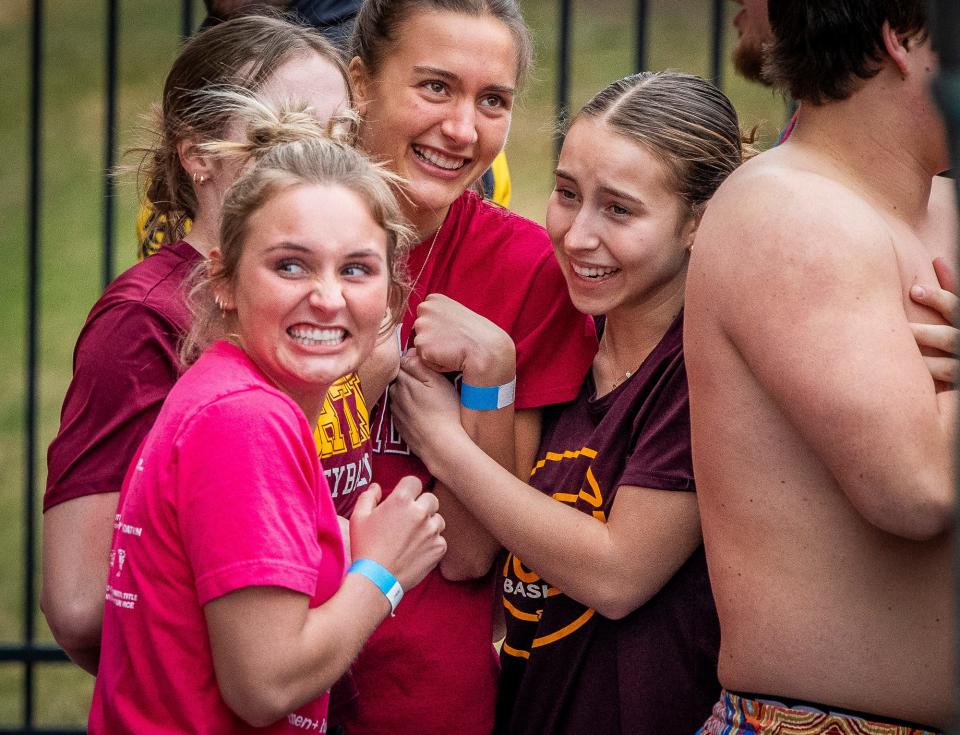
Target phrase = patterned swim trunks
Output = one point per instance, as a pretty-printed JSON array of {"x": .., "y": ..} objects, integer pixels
[{"x": 738, "y": 714}]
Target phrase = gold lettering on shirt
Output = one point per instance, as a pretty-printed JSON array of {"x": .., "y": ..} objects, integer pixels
[{"x": 330, "y": 435}]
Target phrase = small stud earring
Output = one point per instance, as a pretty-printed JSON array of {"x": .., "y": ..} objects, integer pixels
[{"x": 198, "y": 178}]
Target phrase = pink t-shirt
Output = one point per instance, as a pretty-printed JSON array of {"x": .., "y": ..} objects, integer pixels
[
  {"x": 225, "y": 493},
  {"x": 432, "y": 669}
]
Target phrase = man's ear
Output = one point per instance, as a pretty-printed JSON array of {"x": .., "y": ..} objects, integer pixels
[
  {"x": 360, "y": 82},
  {"x": 194, "y": 161},
  {"x": 897, "y": 48}
]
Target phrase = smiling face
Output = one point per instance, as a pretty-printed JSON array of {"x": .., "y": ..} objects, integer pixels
[
  {"x": 754, "y": 28},
  {"x": 310, "y": 289},
  {"x": 621, "y": 234},
  {"x": 438, "y": 107}
]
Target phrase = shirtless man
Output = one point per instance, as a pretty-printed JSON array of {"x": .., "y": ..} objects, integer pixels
[{"x": 822, "y": 445}]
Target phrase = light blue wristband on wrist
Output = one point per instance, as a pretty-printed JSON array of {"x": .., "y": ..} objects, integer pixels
[
  {"x": 382, "y": 578},
  {"x": 489, "y": 397}
]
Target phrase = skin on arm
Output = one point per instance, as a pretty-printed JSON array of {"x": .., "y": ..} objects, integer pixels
[
  {"x": 818, "y": 318},
  {"x": 451, "y": 338},
  {"x": 76, "y": 546},
  {"x": 272, "y": 653},
  {"x": 615, "y": 567}
]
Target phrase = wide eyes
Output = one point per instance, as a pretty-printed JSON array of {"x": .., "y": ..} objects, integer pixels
[
  {"x": 295, "y": 268},
  {"x": 290, "y": 268},
  {"x": 355, "y": 270}
]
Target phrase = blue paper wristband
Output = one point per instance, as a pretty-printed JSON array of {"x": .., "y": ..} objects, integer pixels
[
  {"x": 489, "y": 397},
  {"x": 380, "y": 576}
]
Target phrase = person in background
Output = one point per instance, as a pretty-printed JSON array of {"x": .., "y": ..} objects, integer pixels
[
  {"x": 611, "y": 625},
  {"x": 333, "y": 18},
  {"x": 126, "y": 361},
  {"x": 488, "y": 304},
  {"x": 227, "y": 606},
  {"x": 823, "y": 439}
]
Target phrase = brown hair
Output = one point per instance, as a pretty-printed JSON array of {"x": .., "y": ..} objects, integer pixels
[
  {"x": 243, "y": 52},
  {"x": 379, "y": 23},
  {"x": 821, "y": 51},
  {"x": 683, "y": 120},
  {"x": 286, "y": 148}
]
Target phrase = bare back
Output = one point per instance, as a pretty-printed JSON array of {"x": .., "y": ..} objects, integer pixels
[{"x": 820, "y": 443}]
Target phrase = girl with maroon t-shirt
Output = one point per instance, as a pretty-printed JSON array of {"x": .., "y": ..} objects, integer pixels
[
  {"x": 435, "y": 82},
  {"x": 125, "y": 361},
  {"x": 611, "y": 626}
]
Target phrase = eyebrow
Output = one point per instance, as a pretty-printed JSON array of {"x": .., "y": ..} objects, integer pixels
[
  {"x": 451, "y": 77},
  {"x": 611, "y": 190},
  {"x": 297, "y": 247}
]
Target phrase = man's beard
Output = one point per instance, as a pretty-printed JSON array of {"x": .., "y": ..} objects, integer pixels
[{"x": 748, "y": 60}]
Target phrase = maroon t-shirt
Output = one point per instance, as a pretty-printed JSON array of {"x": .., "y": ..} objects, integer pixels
[
  {"x": 432, "y": 670},
  {"x": 566, "y": 668},
  {"x": 124, "y": 364}
]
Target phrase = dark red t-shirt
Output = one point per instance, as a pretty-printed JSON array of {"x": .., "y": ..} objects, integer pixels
[
  {"x": 124, "y": 364},
  {"x": 566, "y": 668},
  {"x": 432, "y": 669}
]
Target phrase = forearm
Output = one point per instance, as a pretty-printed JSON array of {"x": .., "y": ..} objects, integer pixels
[
  {"x": 331, "y": 638},
  {"x": 471, "y": 548},
  {"x": 571, "y": 550},
  {"x": 272, "y": 654}
]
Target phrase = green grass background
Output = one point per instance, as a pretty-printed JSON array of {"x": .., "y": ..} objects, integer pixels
[{"x": 71, "y": 231}]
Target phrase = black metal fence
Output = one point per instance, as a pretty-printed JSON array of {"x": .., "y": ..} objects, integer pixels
[{"x": 30, "y": 652}]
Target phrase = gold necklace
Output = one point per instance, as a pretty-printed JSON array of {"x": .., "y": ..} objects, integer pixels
[
  {"x": 625, "y": 373},
  {"x": 426, "y": 260},
  {"x": 619, "y": 380}
]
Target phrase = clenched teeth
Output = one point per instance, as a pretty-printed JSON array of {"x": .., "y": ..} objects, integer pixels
[
  {"x": 312, "y": 336},
  {"x": 440, "y": 160}
]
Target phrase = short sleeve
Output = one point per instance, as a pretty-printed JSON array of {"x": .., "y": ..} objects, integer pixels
[
  {"x": 125, "y": 363},
  {"x": 555, "y": 342},
  {"x": 661, "y": 458},
  {"x": 247, "y": 496}
]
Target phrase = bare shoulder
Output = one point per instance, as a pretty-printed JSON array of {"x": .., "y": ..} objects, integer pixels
[
  {"x": 783, "y": 231},
  {"x": 771, "y": 208}
]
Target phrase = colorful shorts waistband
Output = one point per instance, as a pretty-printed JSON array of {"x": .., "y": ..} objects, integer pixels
[{"x": 743, "y": 713}]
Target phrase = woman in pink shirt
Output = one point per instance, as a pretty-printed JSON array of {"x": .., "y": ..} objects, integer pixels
[
  {"x": 227, "y": 608},
  {"x": 125, "y": 361}
]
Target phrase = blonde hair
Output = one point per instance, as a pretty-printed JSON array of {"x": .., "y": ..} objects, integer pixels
[
  {"x": 286, "y": 147},
  {"x": 243, "y": 52}
]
